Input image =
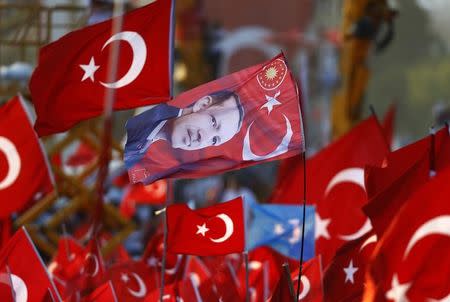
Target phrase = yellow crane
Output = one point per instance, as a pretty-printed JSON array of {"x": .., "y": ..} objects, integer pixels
[{"x": 366, "y": 24}]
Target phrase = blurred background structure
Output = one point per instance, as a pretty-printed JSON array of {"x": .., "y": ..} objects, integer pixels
[{"x": 214, "y": 38}]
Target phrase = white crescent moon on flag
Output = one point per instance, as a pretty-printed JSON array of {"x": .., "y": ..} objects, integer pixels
[
  {"x": 354, "y": 175},
  {"x": 254, "y": 265},
  {"x": 139, "y": 49},
  {"x": 13, "y": 160},
  {"x": 19, "y": 286},
  {"x": 371, "y": 239},
  {"x": 438, "y": 225},
  {"x": 229, "y": 228},
  {"x": 88, "y": 256},
  {"x": 172, "y": 271},
  {"x": 142, "y": 288},
  {"x": 306, "y": 287},
  {"x": 445, "y": 299},
  {"x": 282, "y": 148},
  {"x": 367, "y": 226}
]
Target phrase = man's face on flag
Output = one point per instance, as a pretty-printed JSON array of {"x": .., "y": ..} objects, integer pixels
[{"x": 211, "y": 123}]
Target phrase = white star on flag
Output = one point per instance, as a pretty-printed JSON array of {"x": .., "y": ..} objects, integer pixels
[
  {"x": 124, "y": 278},
  {"x": 350, "y": 271},
  {"x": 278, "y": 229},
  {"x": 271, "y": 102},
  {"x": 202, "y": 229},
  {"x": 89, "y": 70},
  {"x": 321, "y": 227},
  {"x": 398, "y": 291}
]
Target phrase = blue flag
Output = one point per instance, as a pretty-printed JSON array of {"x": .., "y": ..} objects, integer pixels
[{"x": 280, "y": 227}]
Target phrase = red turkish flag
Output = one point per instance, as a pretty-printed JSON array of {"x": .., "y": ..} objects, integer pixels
[
  {"x": 103, "y": 293},
  {"x": 407, "y": 170},
  {"x": 30, "y": 279},
  {"x": 68, "y": 95},
  {"x": 83, "y": 155},
  {"x": 133, "y": 281},
  {"x": 90, "y": 270},
  {"x": 152, "y": 257},
  {"x": 154, "y": 194},
  {"x": 344, "y": 277},
  {"x": 227, "y": 124},
  {"x": 363, "y": 145},
  {"x": 215, "y": 230},
  {"x": 335, "y": 184},
  {"x": 196, "y": 270},
  {"x": 411, "y": 261},
  {"x": 24, "y": 170},
  {"x": 222, "y": 286},
  {"x": 67, "y": 262},
  {"x": 265, "y": 270},
  {"x": 310, "y": 284}
]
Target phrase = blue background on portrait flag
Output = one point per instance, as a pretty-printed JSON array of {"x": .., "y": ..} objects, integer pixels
[{"x": 279, "y": 227}]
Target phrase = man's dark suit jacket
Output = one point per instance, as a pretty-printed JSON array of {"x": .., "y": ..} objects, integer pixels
[{"x": 140, "y": 127}]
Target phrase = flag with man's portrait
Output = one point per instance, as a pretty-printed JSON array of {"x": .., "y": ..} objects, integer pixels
[{"x": 242, "y": 119}]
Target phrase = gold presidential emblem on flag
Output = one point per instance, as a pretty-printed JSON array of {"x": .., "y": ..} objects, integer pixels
[{"x": 272, "y": 75}]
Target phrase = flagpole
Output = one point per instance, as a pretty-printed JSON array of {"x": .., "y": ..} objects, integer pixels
[
  {"x": 287, "y": 275},
  {"x": 163, "y": 261},
  {"x": 266, "y": 277},
  {"x": 13, "y": 293},
  {"x": 303, "y": 223},
  {"x": 198, "y": 297},
  {"x": 432, "y": 152},
  {"x": 247, "y": 286},
  {"x": 51, "y": 294}
]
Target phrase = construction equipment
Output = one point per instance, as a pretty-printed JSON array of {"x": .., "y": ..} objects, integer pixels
[{"x": 366, "y": 24}]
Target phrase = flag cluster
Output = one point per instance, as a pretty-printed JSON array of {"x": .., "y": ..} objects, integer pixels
[{"x": 376, "y": 223}]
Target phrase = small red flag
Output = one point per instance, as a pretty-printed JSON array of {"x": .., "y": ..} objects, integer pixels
[
  {"x": 75, "y": 92},
  {"x": 215, "y": 230},
  {"x": 344, "y": 277},
  {"x": 132, "y": 280},
  {"x": 29, "y": 277},
  {"x": 407, "y": 170},
  {"x": 24, "y": 170},
  {"x": 103, "y": 293},
  {"x": 310, "y": 284},
  {"x": 242, "y": 119}
]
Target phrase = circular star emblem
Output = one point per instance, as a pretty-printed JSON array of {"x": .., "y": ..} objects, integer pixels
[{"x": 272, "y": 75}]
